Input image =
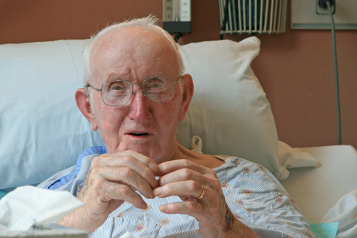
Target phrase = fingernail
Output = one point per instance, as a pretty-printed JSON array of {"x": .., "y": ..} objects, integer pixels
[
  {"x": 157, "y": 192},
  {"x": 163, "y": 208}
]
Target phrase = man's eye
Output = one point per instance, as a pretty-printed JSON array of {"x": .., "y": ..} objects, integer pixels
[
  {"x": 116, "y": 88},
  {"x": 155, "y": 85}
]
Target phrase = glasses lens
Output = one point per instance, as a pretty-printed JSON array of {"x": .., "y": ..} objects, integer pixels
[
  {"x": 159, "y": 89},
  {"x": 117, "y": 93}
]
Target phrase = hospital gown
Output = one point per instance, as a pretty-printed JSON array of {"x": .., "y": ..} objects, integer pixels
[{"x": 252, "y": 193}]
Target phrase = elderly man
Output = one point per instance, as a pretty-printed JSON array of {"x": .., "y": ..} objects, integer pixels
[{"x": 143, "y": 181}]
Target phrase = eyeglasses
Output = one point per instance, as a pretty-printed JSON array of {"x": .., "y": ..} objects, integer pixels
[{"x": 119, "y": 92}]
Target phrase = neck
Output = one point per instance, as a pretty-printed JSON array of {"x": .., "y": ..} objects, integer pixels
[{"x": 198, "y": 158}]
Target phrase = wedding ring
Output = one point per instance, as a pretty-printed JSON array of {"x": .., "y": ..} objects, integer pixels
[{"x": 203, "y": 193}]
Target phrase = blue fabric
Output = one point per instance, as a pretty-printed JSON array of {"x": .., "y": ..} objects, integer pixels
[
  {"x": 67, "y": 178},
  {"x": 89, "y": 151},
  {"x": 252, "y": 193},
  {"x": 324, "y": 230},
  {"x": 2, "y": 194},
  {"x": 61, "y": 181}
]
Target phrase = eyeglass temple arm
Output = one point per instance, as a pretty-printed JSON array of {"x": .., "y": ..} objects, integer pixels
[
  {"x": 177, "y": 80},
  {"x": 88, "y": 85}
]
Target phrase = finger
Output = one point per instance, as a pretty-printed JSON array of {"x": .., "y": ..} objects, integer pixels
[
  {"x": 127, "y": 176},
  {"x": 182, "y": 189},
  {"x": 183, "y": 175},
  {"x": 142, "y": 158},
  {"x": 173, "y": 165},
  {"x": 114, "y": 191},
  {"x": 127, "y": 161},
  {"x": 190, "y": 208}
]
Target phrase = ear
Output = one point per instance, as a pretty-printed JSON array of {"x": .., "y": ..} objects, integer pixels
[
  {"x": 83, "y": 105},
  {"x": 188, "y": 89}
]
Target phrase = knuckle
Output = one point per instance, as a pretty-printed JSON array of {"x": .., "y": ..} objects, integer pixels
[
  {"x": 95, "y": 170},
  {"x": 176, "y": 206},
  {"x": 146, "y": 172},
  {"x": 170, "y": 188},
  {"x": 186, "y": 172},
  {"x": 126, "y": 158},
  {"x": 167, "y": 189},
  {"x": 213, "y": 173},
  {"x": 95, "y": 161},
  {"x": 125, "y": 172},
  {"x": 186, "y": 163},
  {"x": 95, "y": 184},
  {"x": 192, "y": 185},
  {"x": 105, "y": 196},
  {"x": 130, "y": 152},
  {"x": 108, "y": 191},
  {"x": 97, "y": 181},
  {"x": 110, "y": 187},
  {"x": 216, "y": 183},
  {"x": 124, "y": 190},
  {"x": 192, "y": 206}
]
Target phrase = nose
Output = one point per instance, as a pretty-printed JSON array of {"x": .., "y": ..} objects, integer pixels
[{"x": 139, "y": 106}]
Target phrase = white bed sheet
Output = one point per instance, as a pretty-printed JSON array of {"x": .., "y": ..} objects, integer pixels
[{"x": 316, "y": 189}]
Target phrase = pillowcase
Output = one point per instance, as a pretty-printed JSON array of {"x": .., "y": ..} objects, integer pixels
[
  {"x": 42, "y": 131},
  {"x": 294, "y": 157},
  {"x": 229, "y": 110}
]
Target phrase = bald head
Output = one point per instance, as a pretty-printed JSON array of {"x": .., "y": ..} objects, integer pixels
[
  {"x": 137, "y": 30},
  {"x": 134, "y": 46}
]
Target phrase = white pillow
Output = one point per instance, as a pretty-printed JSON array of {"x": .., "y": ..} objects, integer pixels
[
  {"x": 229, "y": 109},
  {"x": 41, "y": 129},
  {"x": 294, "y": 157},
  {"x": 43, "y": 132}
]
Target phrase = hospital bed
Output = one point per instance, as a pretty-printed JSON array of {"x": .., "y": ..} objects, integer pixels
[{"x": 43, "y": 132}]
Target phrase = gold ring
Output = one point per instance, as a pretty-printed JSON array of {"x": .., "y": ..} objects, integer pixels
[{"x": 203, "y": 193}]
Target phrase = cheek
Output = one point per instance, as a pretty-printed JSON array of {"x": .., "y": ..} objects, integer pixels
[
  {"x": 169, "y": 117},
  {"x": 108, "y": 119}
]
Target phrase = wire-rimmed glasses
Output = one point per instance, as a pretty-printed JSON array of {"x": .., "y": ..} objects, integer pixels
[{"x": 119, "y": 92}]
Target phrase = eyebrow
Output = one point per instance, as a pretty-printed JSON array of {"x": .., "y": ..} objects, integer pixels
[{"x": 114, "y": 77}]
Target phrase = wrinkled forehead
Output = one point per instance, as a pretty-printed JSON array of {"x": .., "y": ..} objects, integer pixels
[{"x": 128, "y": 49}]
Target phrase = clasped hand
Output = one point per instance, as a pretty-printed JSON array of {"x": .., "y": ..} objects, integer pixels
[{"x": 115, "y": 178}]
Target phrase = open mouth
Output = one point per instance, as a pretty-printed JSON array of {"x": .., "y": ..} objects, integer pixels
[{"x": 138, "y": 134}]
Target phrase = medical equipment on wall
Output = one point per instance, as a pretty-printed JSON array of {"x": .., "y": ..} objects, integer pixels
[
  {"x": 269, "y": 16},
  {"x": 327, "y": 4},
  {"x": 177, "y": 17},
  {"x": 309, "y": 14},
  {"x": 252, "y": 16}
]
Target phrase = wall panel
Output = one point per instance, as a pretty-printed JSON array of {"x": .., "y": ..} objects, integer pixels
[{"x": 295, "y": 68}]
